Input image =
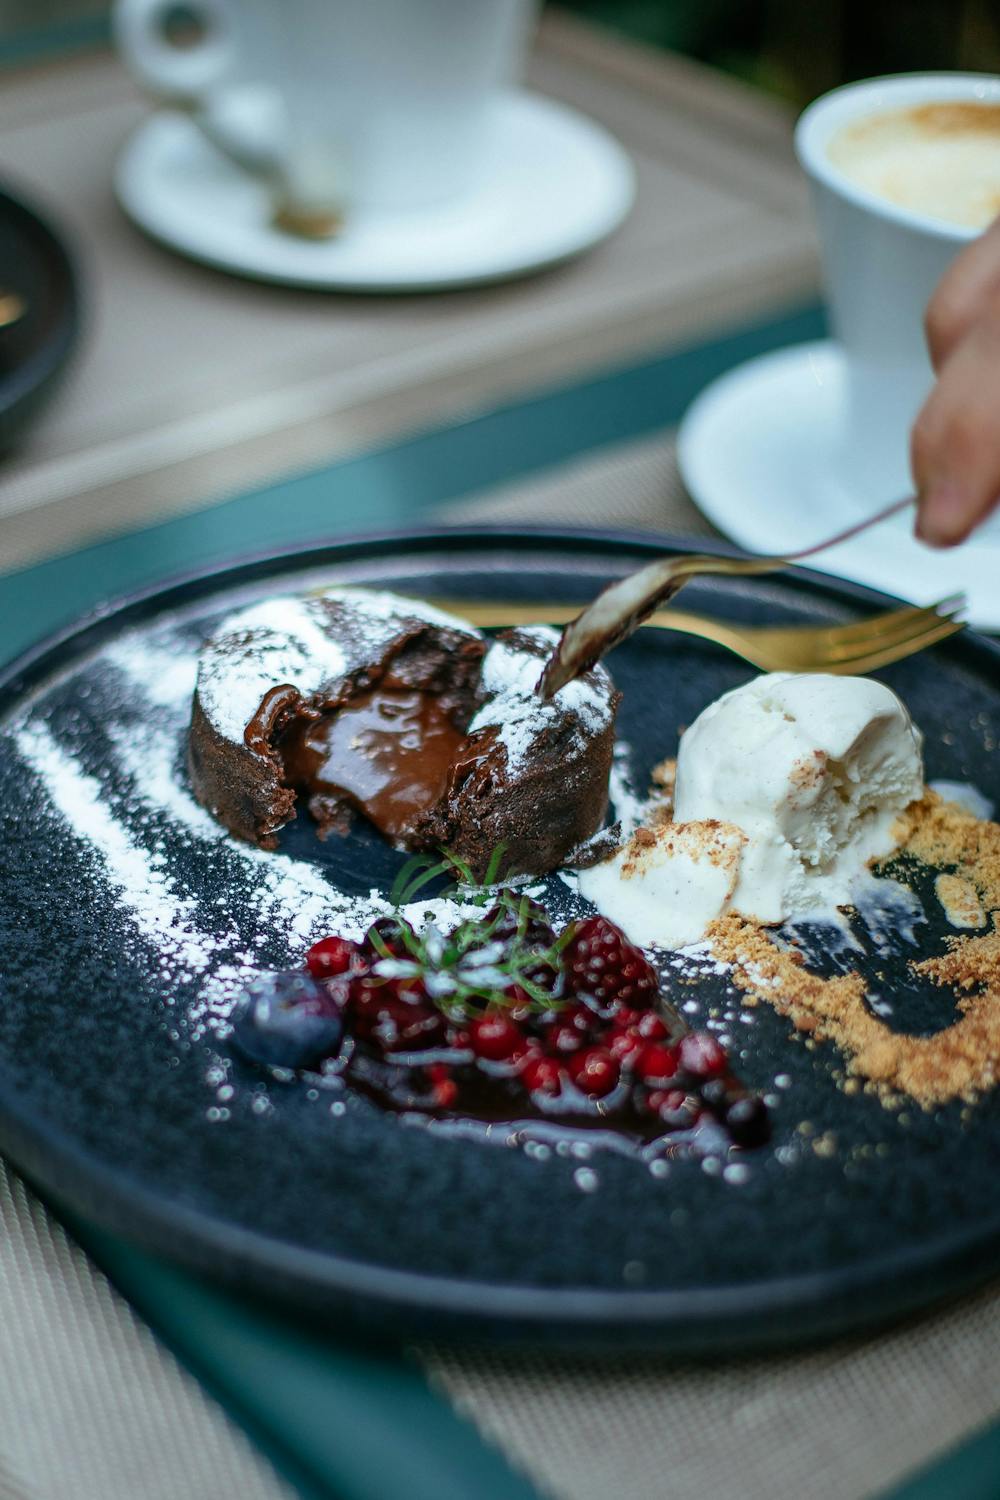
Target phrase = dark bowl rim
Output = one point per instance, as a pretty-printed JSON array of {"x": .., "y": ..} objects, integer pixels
[{"x": 31, "y": 376}]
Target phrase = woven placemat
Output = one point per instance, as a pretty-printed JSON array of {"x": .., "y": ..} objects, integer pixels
[
  {"x": 844, "y": 1422},
  {"x": 91, "y": 1405}
]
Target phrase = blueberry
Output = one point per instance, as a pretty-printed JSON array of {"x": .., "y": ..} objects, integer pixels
[{"x": 286, "y": 1020}]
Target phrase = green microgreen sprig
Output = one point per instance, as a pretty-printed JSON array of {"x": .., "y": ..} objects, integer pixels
[
  {"x": 469, "y": 970},
  {"x": 421, "y": 869}
]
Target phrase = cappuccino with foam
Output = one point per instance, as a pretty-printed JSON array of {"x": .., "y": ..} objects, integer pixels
[{"x": 938, "y": 159}]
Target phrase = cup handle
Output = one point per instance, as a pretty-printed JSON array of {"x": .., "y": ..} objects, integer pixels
[
  {"x": 184, "y": 76},
  {"x": 190, "y": 77}
]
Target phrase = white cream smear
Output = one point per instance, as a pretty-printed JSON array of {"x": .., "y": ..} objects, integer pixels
[
  {"x": 787, "y": 789},
  {"x": 665, "y": 886}
]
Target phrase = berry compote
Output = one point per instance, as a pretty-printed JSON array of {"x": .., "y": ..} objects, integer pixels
[{"x": 504, "y": 1019}]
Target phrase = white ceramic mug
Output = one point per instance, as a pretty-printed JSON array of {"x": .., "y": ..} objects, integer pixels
[
  {"x": 345, "y": 103},
  {"x": 881, "y": 264}
]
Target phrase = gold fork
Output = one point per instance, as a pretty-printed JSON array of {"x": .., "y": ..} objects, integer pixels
[{"x": 851, "y": 649}]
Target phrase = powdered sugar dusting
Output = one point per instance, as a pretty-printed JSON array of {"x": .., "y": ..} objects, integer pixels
[
  {"x": 379, "y": 604},
  {"x": 139, "y": 827},
  {"x": 627, "y": 807},
  {"x": 287, "y": 640},
  {"x": 509, "y": 678},
  {"x": 275, "y": 642},
  {"x": 166, "y": 672},
  {"x": 161, "y": 911},
  {"x": 287, "y": 892}
]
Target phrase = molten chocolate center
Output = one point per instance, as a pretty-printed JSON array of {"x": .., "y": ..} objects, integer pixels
[{"x": 387, "y": 752}]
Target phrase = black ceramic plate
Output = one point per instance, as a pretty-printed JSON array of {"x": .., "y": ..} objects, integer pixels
[
  {"x": 120, "y": 907},
  {"x": 35, "y": 266}
]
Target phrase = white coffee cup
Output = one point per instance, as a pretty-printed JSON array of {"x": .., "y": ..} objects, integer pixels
[
  {"x": 383, "y": 104},
  {"x": 881, "y": 264}
]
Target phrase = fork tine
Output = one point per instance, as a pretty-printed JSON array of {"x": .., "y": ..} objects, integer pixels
[
  {"x": 882, "y": 656},
  {"x": 889, "y": 619},
  {"x": 884, "y": 630}
]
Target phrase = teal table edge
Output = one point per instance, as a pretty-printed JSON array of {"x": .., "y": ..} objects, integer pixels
[
  {"x": 338, "y": 1421},
  {"x": 335, "y": 1420},
  {"x": 389, "y": 487},
  {"x": 35, "y": 44}
]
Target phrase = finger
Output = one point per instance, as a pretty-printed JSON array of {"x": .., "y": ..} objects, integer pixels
[
  {"x": 955, "y": 446},
  {"x": 970, "y": 283}
]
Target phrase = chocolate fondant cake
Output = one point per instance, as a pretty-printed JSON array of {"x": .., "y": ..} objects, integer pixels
[{"x": 357, "y": 701}]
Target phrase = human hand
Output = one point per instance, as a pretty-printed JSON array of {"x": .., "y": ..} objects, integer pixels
[{"x": 955, "y": 443}]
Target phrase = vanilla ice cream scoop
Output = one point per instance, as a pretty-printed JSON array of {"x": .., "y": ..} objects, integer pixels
[
  {"x": 814, "y": 769},
  {"x": 785, "y": 790}
]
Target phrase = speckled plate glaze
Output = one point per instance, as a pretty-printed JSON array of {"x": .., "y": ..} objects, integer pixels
[{"x": 122, "y": 913}]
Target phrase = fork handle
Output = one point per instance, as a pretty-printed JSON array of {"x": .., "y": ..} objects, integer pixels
[
  {"x": 678, "y": 620},
  {"x": 488, "y": 616}
]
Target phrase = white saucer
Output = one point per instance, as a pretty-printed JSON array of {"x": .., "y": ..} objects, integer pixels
[
  {"x": 558, "y": 184},
  {"x": 757, "y": 453}
]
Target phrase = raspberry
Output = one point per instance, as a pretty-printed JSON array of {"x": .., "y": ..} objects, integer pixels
[{"x": 602, "y": 963}]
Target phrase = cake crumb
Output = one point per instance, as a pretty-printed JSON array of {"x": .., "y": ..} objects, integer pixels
[
  {"x": 959, "y": 1062},
  {"x": 960, "y": 901}
]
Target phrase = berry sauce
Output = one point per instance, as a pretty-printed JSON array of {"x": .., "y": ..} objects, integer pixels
[{"x": 504, "y": 1020}]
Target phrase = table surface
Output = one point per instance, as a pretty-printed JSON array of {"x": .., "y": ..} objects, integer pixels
[
  {"x": 191, "y": 384},
  {"x": 203, "y": 415}
]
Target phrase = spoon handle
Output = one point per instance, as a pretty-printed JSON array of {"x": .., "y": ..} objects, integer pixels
[{"x": 621, "y": 608}]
